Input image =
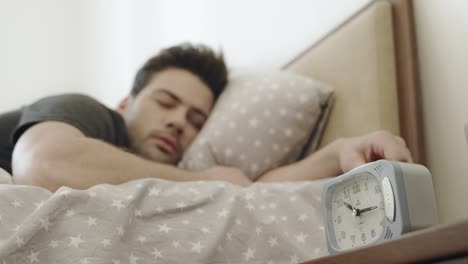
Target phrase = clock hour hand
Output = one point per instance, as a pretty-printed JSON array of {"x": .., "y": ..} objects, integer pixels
[{"x": 368, "y": 209}]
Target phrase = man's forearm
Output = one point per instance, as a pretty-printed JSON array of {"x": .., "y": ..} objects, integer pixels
[
  {"x": 323, "y": 163},
  {"x": 81, "y": 162}
]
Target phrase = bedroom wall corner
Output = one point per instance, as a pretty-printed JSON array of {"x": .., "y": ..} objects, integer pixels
[{"x": 442, "y": 36}]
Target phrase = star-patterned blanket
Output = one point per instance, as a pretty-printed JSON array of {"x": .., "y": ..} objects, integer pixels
[{"x": 158, "y": 221}]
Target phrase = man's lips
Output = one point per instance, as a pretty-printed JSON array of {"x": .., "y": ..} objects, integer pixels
[{"x": 166, "y": 143}]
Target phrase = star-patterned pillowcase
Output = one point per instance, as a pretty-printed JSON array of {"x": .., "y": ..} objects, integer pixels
[{"x": 261, "y": 121}]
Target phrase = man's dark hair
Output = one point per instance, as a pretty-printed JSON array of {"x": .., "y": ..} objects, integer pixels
[{"x": 198, "y": 59}]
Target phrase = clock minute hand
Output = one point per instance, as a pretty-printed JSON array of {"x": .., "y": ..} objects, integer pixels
[
  {"x": 368, "y": 209},
  {"x": 350, "y": 207}
]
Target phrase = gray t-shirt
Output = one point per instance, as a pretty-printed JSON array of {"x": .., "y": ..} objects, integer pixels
[{"x": 83, "y": 112}]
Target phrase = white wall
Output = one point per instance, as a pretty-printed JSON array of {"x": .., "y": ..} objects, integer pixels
[
  {"x": 442, "y": 35},
  {"x": 96, "y": 46}
]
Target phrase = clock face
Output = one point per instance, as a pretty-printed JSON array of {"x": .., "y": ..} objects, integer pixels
[{"x": 357, "y": 211}]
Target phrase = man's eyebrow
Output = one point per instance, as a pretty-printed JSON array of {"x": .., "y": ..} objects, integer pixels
[{"x": 175, "y": 97}]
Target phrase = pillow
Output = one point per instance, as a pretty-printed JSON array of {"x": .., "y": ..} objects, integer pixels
[{"x": 261, "y": 121}]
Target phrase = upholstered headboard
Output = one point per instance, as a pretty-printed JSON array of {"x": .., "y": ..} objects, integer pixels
[{"x": 370, "y": 60}]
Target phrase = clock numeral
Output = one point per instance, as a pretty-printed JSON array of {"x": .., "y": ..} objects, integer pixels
[
  {"x": 372, "y": 233},
  {"x": 339, "y": 203},
  {"x": 338, "y": 219},
  {"x": 343, "y": 234},
  {"x": 363, "y": 237},
  {"x": 366, "y": 187},
  {"x": 353, "y": 238},
  {"x": 346, "y": 193},
  {"x": 356, "y": 188}
]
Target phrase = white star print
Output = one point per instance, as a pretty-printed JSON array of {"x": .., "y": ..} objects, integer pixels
[
  {"x": 53, "y": 244},
  {"x": 75, "y": 241},
  {"x": 223, "y": 213},
  {"x": 194, "y": 191},
  {"x": 301, "y": 237},
  {"x": 19, "y": 241},
  {"x": 321, "y": 228},
  {"x": 92, "y": 194},
  {"x": 273, "y": 241},
  {"x": 294, "y": 259},
  {"x": 16, "y": 228},
  {"x": 228, "y": 152},
  {"x": 65, "y": 192},
  {"x": 197, "y": 247},
  {"x": 154, "y": 191},
  {"x": 283, "y": 111},
  {"x": 39, "y": 205},
  {"x": 253, "y": 122},
  {"x": 258, "y": 230},
  {"x": 117, "y": 204},
  {"x": 303, "y": 98},
  {"x": 159, "y": 209},
  {"x": 272, "y": 205},
  {"x": 249, "y": 254},
  {"x": 106, "y": 242},
  {"x": 164, "y": 228},
  {"x": 303, "y": 217},
  {"x": 120, "y": 230},
  {"x": 91, "y": 221},
  {"x": 142, "y": 239},
  {"x": 205, "y": 230},
  {"x": 180, "y": 205},
  {"x": 175, "y": 244},
  {"x": 45, "y": 224},
  {"x": 156, "y": 253},
  {"x": 185, "y": 222},
  {"x": 258, "y": 143},
  {"x": 17, "y": 204},
  {"x": 276, "y": 147},
  {"x": 238, "y": 221},
  {"x": 293, "y": 198},
  {"x": 254, "y": 167},
  {"x": 288, "y": 132},
  {"x": 33, "y": 257},
  {"x": 200, "y": 211},
  {"x": 70, "y": 213},
  {"x": 133, "y": 259}
]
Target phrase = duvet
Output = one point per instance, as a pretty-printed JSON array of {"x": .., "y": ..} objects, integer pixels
[{"x": 158, "y": 221}]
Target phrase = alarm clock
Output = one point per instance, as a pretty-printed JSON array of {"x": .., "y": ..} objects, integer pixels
[{"x": 376, "y": 202}]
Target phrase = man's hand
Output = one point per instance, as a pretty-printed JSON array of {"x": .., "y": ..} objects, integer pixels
[
  {"x": 357, "y": 151},
  {"x": 219, "y": 173}
]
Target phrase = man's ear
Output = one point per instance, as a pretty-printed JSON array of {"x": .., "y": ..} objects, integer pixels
[{"x": 123, "y": 104}]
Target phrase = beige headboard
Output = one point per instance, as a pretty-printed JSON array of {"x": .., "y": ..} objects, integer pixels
[{"x": 362, "y": 60}]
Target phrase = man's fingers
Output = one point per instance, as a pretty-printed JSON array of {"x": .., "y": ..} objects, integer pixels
[{"x": 398, "y": 152}]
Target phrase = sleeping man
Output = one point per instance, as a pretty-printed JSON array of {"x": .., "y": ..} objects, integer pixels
[{"x": 73, "y": 140}]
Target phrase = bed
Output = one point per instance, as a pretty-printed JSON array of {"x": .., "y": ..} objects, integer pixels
[{"x": 372, "y": 70}]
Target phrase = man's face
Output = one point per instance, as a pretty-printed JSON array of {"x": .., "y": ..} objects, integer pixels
[{"x": 164, "y": 118}]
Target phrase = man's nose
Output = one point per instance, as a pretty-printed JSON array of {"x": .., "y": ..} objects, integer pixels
[{"x": 176, "y": 122}]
